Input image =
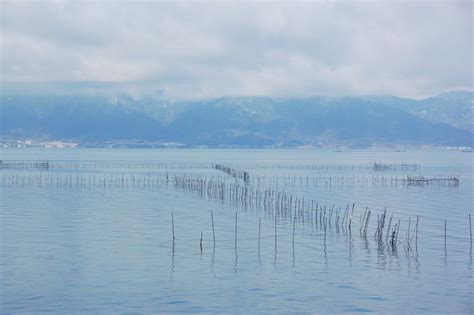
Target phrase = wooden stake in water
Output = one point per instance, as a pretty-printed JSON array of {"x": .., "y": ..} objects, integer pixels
[
  {"x": 325, "y": 234},
  {"x": 235, "y": 244},
  {"x": 350, "y": 233},
  {"x": 389, "y": 225},
  {"x": 408, "y": 234},
  {"x": 275, "y": 234},
  {"x": 213, "y": 233},
  {"x": 259, "y": 225},
  {"x": 294, "y": 222},
  {"x": 416, "y": 234},
  {"x": 200, "y": 243},
  {"x": 398, "y": 229},
  {"x": 445, "y": 252},
  {"x": 470, "y": 229},
  {"x": 172, "y": 224}
]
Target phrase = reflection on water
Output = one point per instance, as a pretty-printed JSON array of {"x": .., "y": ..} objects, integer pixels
[{"x": 93, "y": 250}]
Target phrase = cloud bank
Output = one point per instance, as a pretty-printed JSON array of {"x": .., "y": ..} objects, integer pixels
[{"x": 190, "y": 50}]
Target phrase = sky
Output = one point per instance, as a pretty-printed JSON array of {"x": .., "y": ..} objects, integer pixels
[{"x": 195, "y": 50}]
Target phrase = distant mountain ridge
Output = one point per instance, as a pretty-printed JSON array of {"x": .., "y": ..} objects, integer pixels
[
  {"x": 454, "y": 108},
  {"x": 243, "y": 121}
]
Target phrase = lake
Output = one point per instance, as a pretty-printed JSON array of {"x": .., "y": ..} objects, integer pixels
[{"x": 91, "y": 231}]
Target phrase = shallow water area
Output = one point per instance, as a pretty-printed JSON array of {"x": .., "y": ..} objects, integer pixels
[{"x": 93, "y": 233}]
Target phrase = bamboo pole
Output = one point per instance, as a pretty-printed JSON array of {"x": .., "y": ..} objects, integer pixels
[
  {"x": 259, "y": 227},
  {"x": 416, "y": 235},
  {"x": 213, "y": 233},
  {"x": 172, "y": 224},
  {"x": 294, "y": 223},
  {"x": 350, "y": 233},
  {"x": 235, "y": 242},
  {"x": 445, "y": 251},
  {"x": 470, "y": 229},
  {"x": 200, "y": 242},
  {"x": 275, "y": 234}
]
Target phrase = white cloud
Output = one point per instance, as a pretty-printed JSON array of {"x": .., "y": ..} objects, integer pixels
[{"x": 193, "y": 50}]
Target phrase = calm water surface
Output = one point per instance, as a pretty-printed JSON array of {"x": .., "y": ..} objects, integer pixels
[{"x": 82, "y": 249}]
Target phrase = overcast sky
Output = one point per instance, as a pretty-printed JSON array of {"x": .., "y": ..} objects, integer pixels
[{"x": 200, "y": 50}]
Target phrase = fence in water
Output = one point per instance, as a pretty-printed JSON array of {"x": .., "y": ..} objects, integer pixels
[
  {"x": 26, "y": 165},
  {"x": 251, "y": 192},
  {"x": 354, "y": 180},
  {"x": 100, "y": 164}
]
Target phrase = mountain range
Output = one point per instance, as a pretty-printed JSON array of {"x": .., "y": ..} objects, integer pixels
[{"x": 446, "y": 119}]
